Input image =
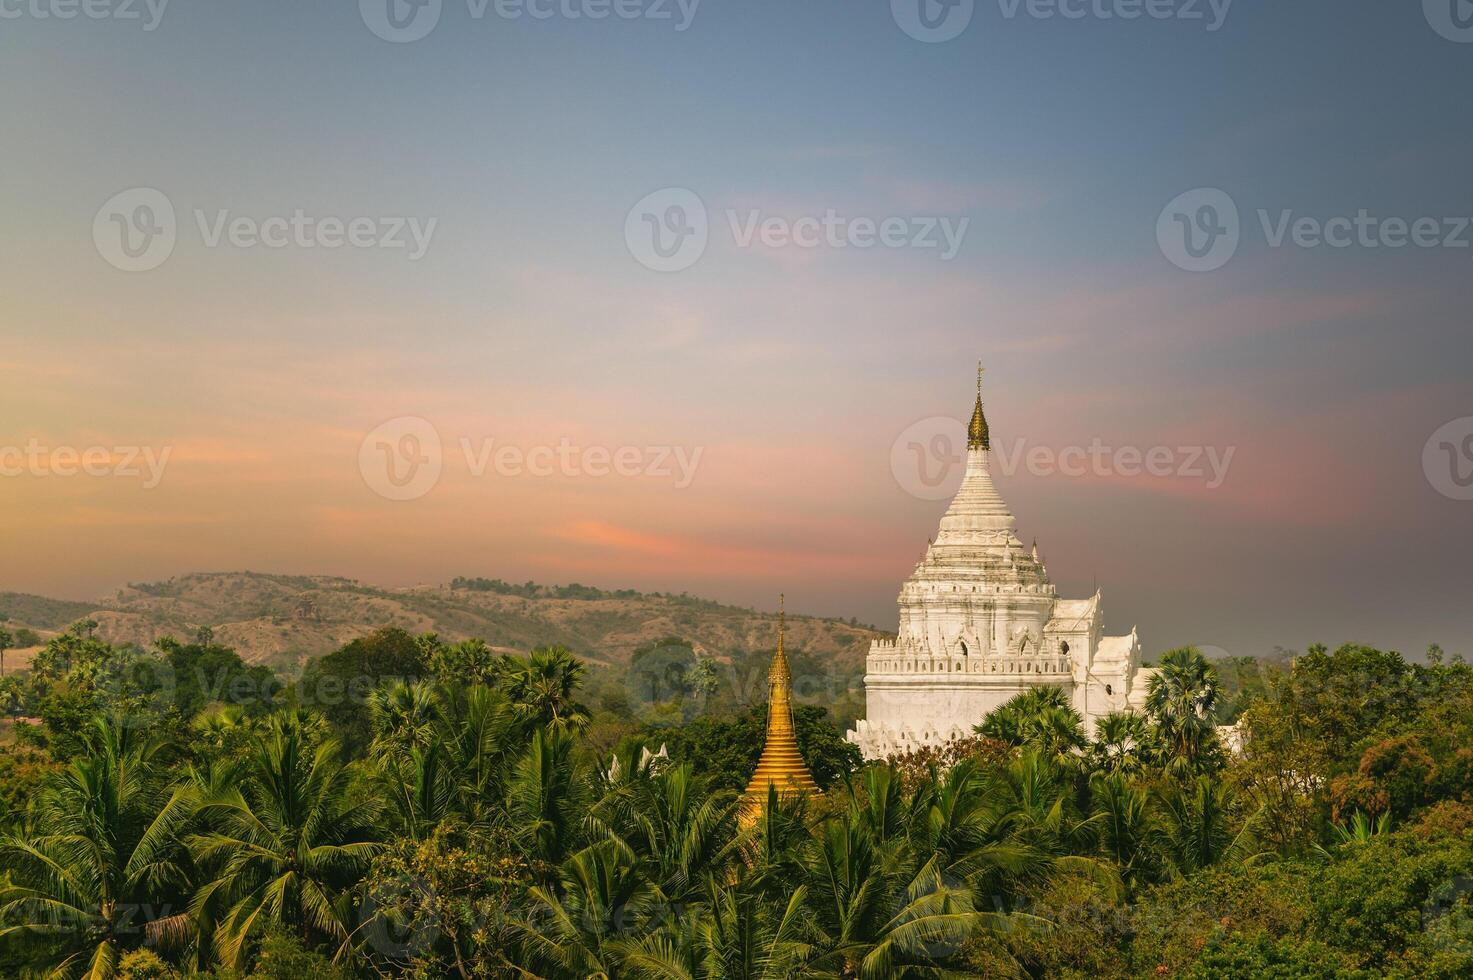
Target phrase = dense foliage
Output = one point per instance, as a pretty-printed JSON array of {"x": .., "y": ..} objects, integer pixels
[{"x": 421, "y": 809}]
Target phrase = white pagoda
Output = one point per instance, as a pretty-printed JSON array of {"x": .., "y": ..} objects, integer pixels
[{"x": 980, "y": 622}]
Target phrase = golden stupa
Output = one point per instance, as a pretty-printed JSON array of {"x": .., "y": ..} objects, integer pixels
[{"x": 781, "y": 764}]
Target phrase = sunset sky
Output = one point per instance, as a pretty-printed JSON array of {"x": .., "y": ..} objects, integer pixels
[{"x": 792, "y": 371}]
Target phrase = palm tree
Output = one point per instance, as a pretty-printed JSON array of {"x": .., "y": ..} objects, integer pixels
[
  {"x": 1122, "y": 742},
  {"x": 1128, "y": 833},
  {"x": 5, "y": 642},
  {"x": 1361, "y": 828},
  {"x": 407, "y": 754},
  {"x": 681, "y": 829},
  {"x": 1041, "y": 716},
  {"x": 546, "y": 797},
  {"x": 734, "y": 934},
  {"x": 403, "y": 716},
  {"x": 287, "y": 846},
  {"x": 1181, "y": 696},
  {"x": 580, "y": 928},
  {"x": 959, "y": 825},
  {"x": 543, "y": 690},
  {"x": 871, "y": 922},
  {"x": 106, "y": 845},
  {"x": 1196, "y": 821},
  {"x": 481, "y": 738}
]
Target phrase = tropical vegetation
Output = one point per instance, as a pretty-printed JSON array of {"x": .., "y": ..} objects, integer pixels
[{"x": 409, "y": 807}]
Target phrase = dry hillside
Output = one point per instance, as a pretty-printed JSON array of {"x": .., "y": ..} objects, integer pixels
[{"x": 283, "y": 618}]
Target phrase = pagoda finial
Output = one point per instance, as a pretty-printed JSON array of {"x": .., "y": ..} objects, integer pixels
[
  {"x": 977, "y": 435},
  {"x": 782, "y": 619}
]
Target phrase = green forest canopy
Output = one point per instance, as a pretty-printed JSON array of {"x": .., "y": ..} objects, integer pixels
[{"x": 414, "y": 808}]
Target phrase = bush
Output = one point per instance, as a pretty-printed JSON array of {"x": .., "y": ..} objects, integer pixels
[{"x": 1376, "y": 899}]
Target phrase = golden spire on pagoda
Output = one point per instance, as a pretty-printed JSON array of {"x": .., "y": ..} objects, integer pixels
[
  {"x": 977, "y": 434},
  {"x": 781, "y": 764}
]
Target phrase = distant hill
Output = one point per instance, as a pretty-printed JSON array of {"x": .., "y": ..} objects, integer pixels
[
  {"x": 41, "y": 613},
  {"x": 283, "y": 619}
]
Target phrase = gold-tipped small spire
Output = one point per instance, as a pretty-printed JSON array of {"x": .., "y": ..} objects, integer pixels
[
  {"x": 977, "y": 435},
  {"x": 781, "y": 764}
]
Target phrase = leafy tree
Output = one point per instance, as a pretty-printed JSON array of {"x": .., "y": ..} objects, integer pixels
[
  {"x": 490, "y": 833},
  {"x": 1376, "y": 901},
  {"x": 726, "y": 750},
  {"x": 282, "y": 957},
  {"x": 339, "y": 683},
  {"x": 202, "y": 673}
]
